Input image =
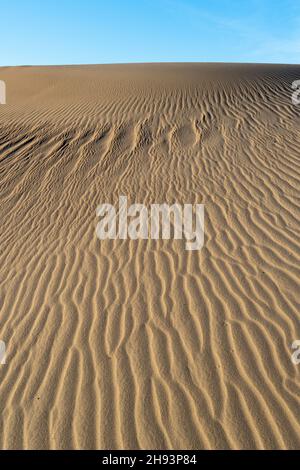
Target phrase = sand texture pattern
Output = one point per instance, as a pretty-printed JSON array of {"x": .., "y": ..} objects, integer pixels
[{"x": 124, "y": 344}]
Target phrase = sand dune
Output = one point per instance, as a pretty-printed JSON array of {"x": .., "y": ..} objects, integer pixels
[{"x": 124, "y": 344}]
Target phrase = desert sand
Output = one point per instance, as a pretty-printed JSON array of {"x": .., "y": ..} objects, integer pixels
[{"x": 123, "y": 344}]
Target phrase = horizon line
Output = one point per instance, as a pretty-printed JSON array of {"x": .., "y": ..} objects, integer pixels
[{"x": 76, "y": 64}]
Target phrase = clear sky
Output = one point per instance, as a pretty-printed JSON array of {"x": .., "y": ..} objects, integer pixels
[{"x": 116, "y": 31}]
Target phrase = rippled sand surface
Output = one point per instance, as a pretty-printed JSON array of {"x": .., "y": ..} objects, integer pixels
[{"x": 123, "y": 344}]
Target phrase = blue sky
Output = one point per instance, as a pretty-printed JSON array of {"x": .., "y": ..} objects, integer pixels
[{"x": 116, "y": 31}]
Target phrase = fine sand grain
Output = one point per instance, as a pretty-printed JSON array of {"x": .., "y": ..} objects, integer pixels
[{"x": 127, "y": 344}]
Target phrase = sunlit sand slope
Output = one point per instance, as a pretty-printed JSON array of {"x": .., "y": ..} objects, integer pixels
[{"x": 124, "y": 344}]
